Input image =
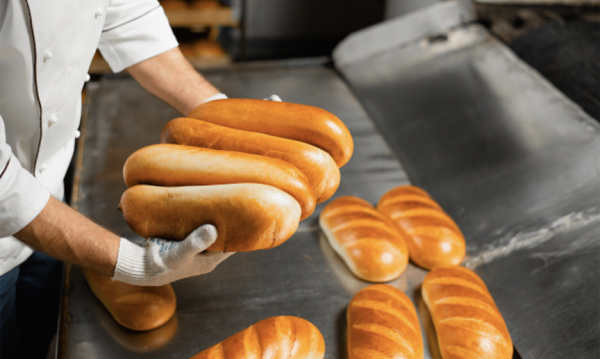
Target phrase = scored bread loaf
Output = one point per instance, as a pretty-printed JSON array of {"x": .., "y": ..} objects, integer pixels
[
  {"x": 248, "y": 216},
  {"x": 371, "y": 244},
  {"x": 304, "y": 123},
  {"x": 433, "y": 238},
  {"x": 135, "y": 307},
  {"x": 179, "y": 165},
  {"x": 277, "y": 337},
  {"x": 317, "y": 165},
  {"x": 467, "y": 322},
  {"x": 383, "y": 323}
]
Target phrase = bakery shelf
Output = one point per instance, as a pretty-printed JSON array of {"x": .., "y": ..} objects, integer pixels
[{"x": 201, "y": 17}]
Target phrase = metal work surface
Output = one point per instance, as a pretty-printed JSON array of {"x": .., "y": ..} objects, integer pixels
[
  {"x": 302, "y": 277},
  {"x": 510, "y": 158}
]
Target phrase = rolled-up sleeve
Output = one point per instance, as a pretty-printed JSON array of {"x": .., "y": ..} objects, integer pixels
[
  {"x": 22, "y": 197},
  {"x": 134, "y": 31}
]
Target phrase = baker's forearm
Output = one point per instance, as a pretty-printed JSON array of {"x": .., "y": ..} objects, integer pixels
[
  {"x": 171, "y": 77},
  {"x": 63, "y": 233}
]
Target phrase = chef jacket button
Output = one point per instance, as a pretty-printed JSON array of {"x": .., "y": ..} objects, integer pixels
[
  {"x": 43, "y": 167},
  {"x": 98, "y": 12},
  {"x": 52, "y": 119},
  {"x": 87, "y": 77},
  {"x": 47, "y": 55},
  {"x": 76, "y": 134}
]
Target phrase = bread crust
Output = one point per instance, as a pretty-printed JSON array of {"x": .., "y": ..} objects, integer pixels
[
  {"x": 383, "y": 323},
  {"x": 247, "y": 216},
  {"x": 304, "y": 123},
  {"x": 180, "y": 165},
  {"x": 317, "y": 165},
  {"x": 468, "y": 323},
  {"x": 276, "y": 337},
  {"x": 371, "y": 245},
  {"x": 135, "y": 307},
  {"x": 433, "y": 238}
]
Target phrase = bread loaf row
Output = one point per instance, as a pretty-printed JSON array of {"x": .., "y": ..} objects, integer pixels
[
  {"x": 376, "y": 243},
  {"x": 383, "y": 323}
]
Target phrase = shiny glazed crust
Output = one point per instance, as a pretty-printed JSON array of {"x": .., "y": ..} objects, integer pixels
[
  {"x": 303, "y": 123},
  {"x": 466, "y": 319},
  {"x": 371, "y": 244},
  {"x": 276, "y": 337},
  {"x": 135, "y": 307},
  {"x": 247, "y": 216},
  {"x": 179, "y": 165},
  {"x": 383, "y": 323},
  {"x": 434, "y": 239},
  {"x": 317, "y": 165}
]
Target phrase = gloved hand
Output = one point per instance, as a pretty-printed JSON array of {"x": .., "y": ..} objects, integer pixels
[{"x": 158, "y": 261}]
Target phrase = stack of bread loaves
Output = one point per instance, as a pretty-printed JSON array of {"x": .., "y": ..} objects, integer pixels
[{"x": 251, "y": 168}]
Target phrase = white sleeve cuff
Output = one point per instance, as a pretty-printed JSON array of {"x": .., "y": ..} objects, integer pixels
[
  {"x": 137, "y": 40},
  {"x": 22, "y": 198}
]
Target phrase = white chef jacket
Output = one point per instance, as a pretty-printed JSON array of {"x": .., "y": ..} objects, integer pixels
[{"x": 46, "y": 48}]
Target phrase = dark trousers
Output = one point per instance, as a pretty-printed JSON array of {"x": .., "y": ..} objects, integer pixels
[{"x": 29, "y": 307}]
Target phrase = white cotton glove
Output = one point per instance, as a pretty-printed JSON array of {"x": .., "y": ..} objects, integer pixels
[
  {"x": 222, "y": 96},
  {"x": 158, "y": 261},
  {"x": 273, "y": 98},
  {"x": 219, "y": 96}
]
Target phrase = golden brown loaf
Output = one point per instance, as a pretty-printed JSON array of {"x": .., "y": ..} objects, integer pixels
[
  {"x": 247, "y": 216},
  {"x": 371, "y": 244},
  {"x": 317, "y": 165},
  {"x": 466, "y": 319},
  {"x": 134, "y": 307},
  {"x": 276, "y": 337},
  {"x": 383, "y": 323},
  {"x": 179, "y": 165},
  {"x": 433, "y": 237},
  {"x": 303, "y": 123}
]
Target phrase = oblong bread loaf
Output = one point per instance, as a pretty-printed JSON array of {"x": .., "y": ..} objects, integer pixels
[
  {"x": 383, "y": 323},
  {"x": 248, "y": 216},
  {"x": 467, "y": 322},
  {"x": 370, "y": 243},
  {"x": 316, "y": 164},
  {"x": 180, "y": 165},
  {"x": 433, "y": 238},
  {"x": 276, "y": 337},
  {"x": 135, "y": 307},
  {"x": 304, "y": 123}
]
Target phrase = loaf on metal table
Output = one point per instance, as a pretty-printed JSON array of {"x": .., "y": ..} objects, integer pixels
[
  {"x": 433, "y": 237},
  {"x": 276, "y": 337},
  {"x": 383, "y": 323},
  {"x": 371, "y": 244},
  {"x": 467, "y": 322}
]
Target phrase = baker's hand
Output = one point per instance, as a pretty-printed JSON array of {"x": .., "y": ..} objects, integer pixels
[{"x": 160, "y": 261}]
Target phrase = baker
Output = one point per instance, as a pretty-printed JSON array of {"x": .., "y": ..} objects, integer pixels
[{"x": 46, "y": 48}]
